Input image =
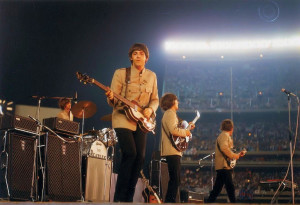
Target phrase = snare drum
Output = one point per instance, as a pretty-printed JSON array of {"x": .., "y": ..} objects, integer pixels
[
  {"x": 98, "y": 150},
  {"x": 108, "y": 137}
]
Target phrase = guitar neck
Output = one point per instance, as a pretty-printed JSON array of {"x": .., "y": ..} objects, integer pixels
[
  {"x": 119, "y": 97},
  {"x": 194, "y": 121}
]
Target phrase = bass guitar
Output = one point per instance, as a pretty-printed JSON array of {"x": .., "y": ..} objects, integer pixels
[
  {"x": 132, "y": 110},
  {"x": 181, "y": 143},
  {"x": 153, "y": 197}
]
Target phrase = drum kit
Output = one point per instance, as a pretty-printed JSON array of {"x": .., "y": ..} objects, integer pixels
[
  {"x": 106, "y": 136},
  {"x": 97, "y": 151}
]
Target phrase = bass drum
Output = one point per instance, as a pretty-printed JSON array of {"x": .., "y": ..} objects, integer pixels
[
  {"x": 98, "y": 150},
  {"x": 98, "y": 174}
]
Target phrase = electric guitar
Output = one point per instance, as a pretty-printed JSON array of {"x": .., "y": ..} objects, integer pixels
[
  {"x": 181, "y": 143},
  {"x": 153, "y": 197},
  {"x": 232, "y": 162},
  {"x": 132, "y": 110}
]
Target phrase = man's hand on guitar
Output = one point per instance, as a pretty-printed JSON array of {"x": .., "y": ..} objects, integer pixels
[
  {"x": 192, "y": 125},
  {"x": 188, "y": 133},
  {"x": 110, "y": 95},
  {"x": 148, "y": 112},
  {"x": 242, "y": 153}
]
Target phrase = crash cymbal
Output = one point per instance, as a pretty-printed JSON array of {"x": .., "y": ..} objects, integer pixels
[
  {"x": 88, "y": 107},
  {"x": 106, "y": 117}
]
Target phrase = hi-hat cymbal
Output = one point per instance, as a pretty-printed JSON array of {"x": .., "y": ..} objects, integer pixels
[
  {"x": 87, "y": 108},
  {"x": 106, "y": 117}
]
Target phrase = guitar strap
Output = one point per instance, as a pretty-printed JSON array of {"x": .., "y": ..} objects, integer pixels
[{"x": 127, "y": 79}]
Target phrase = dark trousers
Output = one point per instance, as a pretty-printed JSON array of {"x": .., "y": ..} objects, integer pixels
[
  {"x": 224, "y": 176},
  {"x": 174, "y": 167},
  {"x": 133, "y": 146}
]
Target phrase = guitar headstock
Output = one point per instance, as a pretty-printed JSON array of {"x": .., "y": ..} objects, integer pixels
[
  {"x": 84, "y": 78},
  {"x": 197, "y": 114}
]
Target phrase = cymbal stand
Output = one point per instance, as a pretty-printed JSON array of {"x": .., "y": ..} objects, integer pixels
[
  {"x": 211, "y": 168},
  {"x": 82, "y": 124},
  {"x": 81, "y": 147}
]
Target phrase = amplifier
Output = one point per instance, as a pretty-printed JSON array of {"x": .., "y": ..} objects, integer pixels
[
  {"x": 191, "y": 197},
  {"x": 61, "y": 125},
  {"x": 19, "y": 123}
]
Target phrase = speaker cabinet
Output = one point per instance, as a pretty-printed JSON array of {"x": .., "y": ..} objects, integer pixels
[
  {"x": 19, "y": 160},
  {"x": 64, "y": 169},
  {"x": 98, "y": 174}
]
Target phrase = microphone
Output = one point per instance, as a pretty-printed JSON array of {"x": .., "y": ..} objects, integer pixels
[
  {"x": 288, "y": 92},
  {"x": 75, "y": 98},
  {"x": 36, "y": 120}
]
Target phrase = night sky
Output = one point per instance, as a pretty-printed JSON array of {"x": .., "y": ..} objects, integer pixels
[{"x": 43, "y": 43}]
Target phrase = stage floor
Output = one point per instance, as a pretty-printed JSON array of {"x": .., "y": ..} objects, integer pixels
[{"x": 103, "y": 203}]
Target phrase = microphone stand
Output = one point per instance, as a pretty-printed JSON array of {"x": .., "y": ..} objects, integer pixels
[
  {"x": 211, "y": 168},
  {"x": 291, "y": 146}
]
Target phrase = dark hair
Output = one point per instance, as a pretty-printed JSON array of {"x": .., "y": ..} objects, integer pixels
[
  {"x": 63, "y": 102},
  {"x": 226, "y": 125},
  {"x": 138, "y": 47},
  {"x": 167, "y": 101}
]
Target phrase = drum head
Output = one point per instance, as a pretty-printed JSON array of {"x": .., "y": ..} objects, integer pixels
[{"x": 98, "y": 150}]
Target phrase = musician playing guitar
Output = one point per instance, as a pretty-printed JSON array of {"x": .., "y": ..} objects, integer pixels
[
  {"x": 224, "y": 145},
  {"x": 169, "y": 104},
  {"x": 140, "y": 85}
]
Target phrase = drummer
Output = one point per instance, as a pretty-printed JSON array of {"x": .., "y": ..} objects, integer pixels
[{"x": 65, "y": 106}]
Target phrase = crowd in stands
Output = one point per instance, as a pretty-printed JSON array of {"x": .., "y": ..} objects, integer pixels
[
  {"x": 255, "y": 85},
  {"x": 257, "y": 136}
]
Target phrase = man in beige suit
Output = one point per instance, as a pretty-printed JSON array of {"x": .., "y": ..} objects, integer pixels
[
  {"x": 142, "y": 88},
  {"x": 170, "y": 125},
  {"x": 224, "y": 145}
]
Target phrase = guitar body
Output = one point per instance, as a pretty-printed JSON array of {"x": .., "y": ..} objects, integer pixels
[
  {"x": 149, "y": 197},
  {"x": 147, "y": 125},
  {"x": 180, "y": 143},
  {"x": 149, "y": 194},
  {"x": 232, "y": 162},
  {"x": 153, "y": 200}
]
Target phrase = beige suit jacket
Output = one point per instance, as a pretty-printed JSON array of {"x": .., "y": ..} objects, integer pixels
[
  {"x": 226, "y": 144},
  {"x": 142, "y": 89},
  {"x": 170, "y": 123}
]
